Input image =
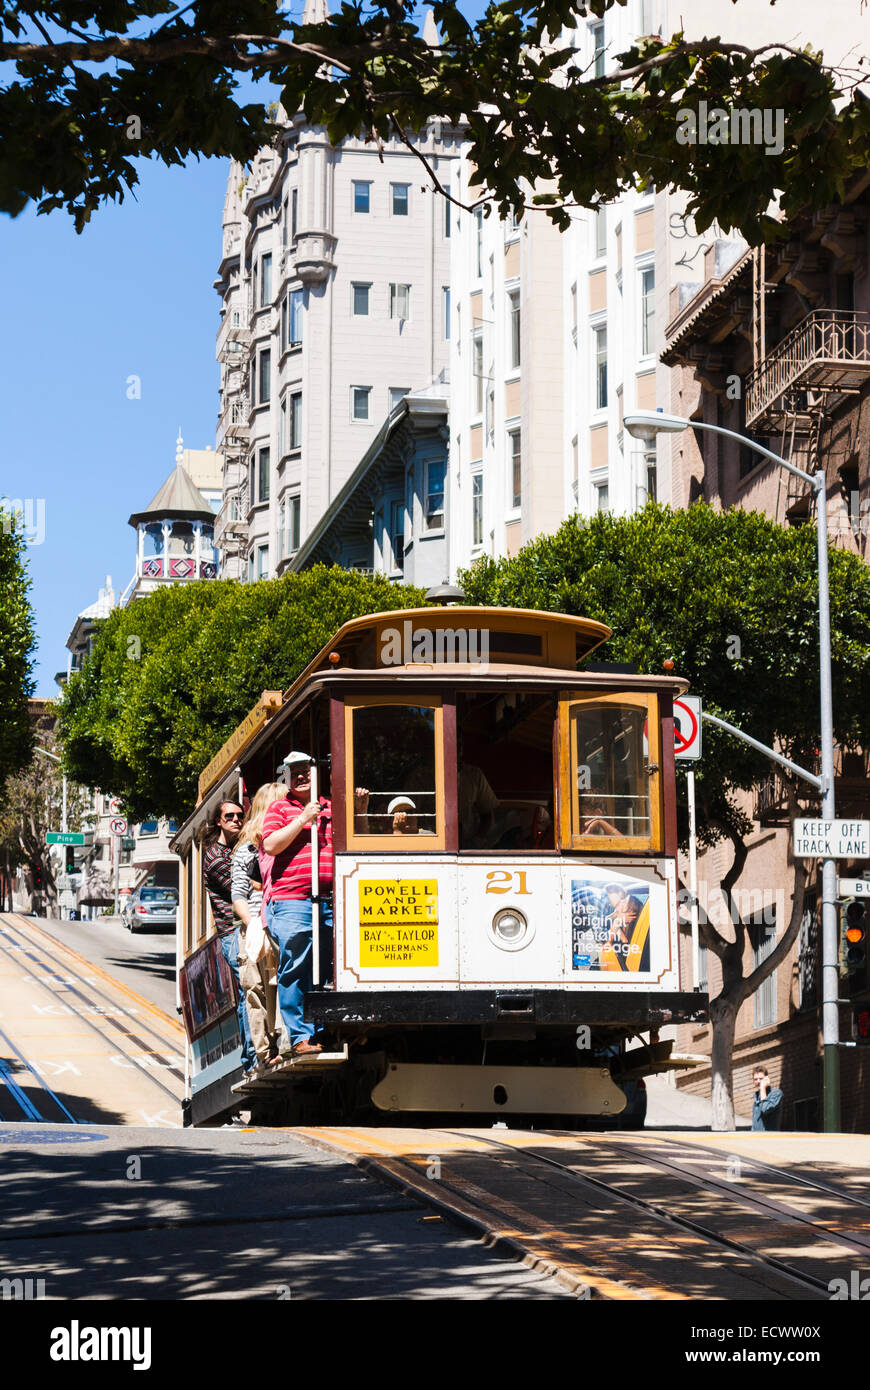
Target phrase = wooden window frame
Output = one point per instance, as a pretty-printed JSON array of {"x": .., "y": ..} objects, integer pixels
[
  {"x": 395, "y": 844},
  {"x": 567, "y": 775}
]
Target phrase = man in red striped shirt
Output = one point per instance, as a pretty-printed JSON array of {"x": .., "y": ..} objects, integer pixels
[{"x": 287, "y": 837}]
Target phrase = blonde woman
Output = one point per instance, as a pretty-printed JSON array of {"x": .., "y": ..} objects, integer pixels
[{"x": 257, "y": 976}]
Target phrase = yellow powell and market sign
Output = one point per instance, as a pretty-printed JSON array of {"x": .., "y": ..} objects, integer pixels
[{"x": 398, "y": 922}]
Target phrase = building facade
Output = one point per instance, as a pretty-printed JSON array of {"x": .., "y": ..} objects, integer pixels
[
  {"x": 775, "y": 345},
  {"x": 555, "y": 337},
  {"x": 391, "y": 517},
  {"x": 334, "y": 285}
]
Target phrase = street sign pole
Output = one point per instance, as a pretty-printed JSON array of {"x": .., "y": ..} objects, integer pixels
[
  {"x": 830, "y": 934},
  {"x": 687, "y": 748},
  {"x": 117, "y": 843},
  {"x": 693, "y": 882}
]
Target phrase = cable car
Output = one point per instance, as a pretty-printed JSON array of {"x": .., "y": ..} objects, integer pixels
[{"x": 505, "y": 908}]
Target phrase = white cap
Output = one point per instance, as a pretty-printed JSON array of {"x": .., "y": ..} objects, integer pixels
[
  {"x": 283, "y": 773},
  {"x": 398, "y": 802}
]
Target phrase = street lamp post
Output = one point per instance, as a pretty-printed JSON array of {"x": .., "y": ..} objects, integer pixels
[{"x": 646, "y": 424}]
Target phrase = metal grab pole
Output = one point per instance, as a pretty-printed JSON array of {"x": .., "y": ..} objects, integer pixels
[
  {"x": 315, "y": 885},
  {"x": 693, "y": 883}
]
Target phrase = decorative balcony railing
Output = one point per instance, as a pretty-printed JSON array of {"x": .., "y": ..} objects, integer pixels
[
  {"x": 828, "y": 352},
  {"x": 178, "y": 567}
]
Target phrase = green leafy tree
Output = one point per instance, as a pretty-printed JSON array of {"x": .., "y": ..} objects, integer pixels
[
  {"x": 171, "y": 676},
  {"x": 16, "y": 649},
  {"x": 97, "y": 83},
  {"x": 732, "y": 599},
  {"x": 32, "y": 804}
]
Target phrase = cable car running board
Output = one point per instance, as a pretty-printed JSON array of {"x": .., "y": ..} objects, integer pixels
[{"x": 499, "y": 1090}]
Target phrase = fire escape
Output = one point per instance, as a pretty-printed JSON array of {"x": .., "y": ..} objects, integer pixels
[
  {"x": 794, "y": 389},
  {"x": 792, "y": 392}
]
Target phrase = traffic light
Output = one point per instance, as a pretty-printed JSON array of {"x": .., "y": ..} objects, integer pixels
[
  {"x": 855, "y": 932},
  {"x": 37, "y": 877},
  {"x": 861, "y": 1023},
  {"x": 70, "y": 859}
]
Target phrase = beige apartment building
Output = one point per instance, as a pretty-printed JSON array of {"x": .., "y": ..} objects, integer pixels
[
  {"x": 556, "y": 337},
  {"x": 335, "y": 292}
]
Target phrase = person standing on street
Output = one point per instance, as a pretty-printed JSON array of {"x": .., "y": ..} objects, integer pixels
[
  {"x": 218, "y": 839},
  {"x": 767, "y": 1104}
]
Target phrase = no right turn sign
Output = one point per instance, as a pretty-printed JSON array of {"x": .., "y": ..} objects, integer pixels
[{"x": 687, "y": 728}]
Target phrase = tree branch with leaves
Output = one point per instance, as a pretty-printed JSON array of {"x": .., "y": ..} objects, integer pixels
[{"x": 533, "y": 116}]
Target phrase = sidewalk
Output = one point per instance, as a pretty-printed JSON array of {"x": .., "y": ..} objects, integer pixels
[{"x": 668, "y": 1108}]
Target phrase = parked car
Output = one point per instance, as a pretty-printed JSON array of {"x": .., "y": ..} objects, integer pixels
[{"x": 150, "y": 907}]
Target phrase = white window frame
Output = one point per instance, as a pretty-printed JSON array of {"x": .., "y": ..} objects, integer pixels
[
  {"x": 407, "y": 188},
  {"x": 513, "y": 432},
  {"x": 598, "y": 40},
  {"x": 646, "y": 321},
  {"x": 296, "y": 299},
  {"x": 361, "y": 183},
  {"x": 264, "y": 449},
  {"x": 599, "y": 242},
  {"x": 395, "y": 396},
  {"x": 360, "y": 285},
  {"x": 263, "y": 564},
  {"x": 396, "y": 296},
  {"x": 261, "y": 399},
  {"x": 514, "y": 328},
  {"x": 596, "y": 328},
  {"x": 294, "y": 422},
  {"x": 477, "y": 508},
  {"x": 265, "y": 300},
  {"x": 429, "y": 529},
  {"x": 445, "y": 312},
  {"x": 477, "y": 376},
  {"x": 360, "y": 419},
  {"x": 292, "y": 514}
]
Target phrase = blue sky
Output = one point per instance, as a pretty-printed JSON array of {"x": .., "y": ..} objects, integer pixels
[{"x": 131, "y": 296}]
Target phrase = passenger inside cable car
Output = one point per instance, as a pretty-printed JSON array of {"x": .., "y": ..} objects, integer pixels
[{"x": 506, "y": 782}]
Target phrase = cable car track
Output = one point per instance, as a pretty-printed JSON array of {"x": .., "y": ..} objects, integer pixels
[
  {"x": 745, "y": 1160},
  {"x": 17, "y": 944},
  {"x": 698, "y": 1228},
  {"x": 551, "y": 1246}
]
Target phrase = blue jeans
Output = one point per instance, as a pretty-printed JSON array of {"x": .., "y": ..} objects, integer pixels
[
  {"x": 289, "y": 922},
  {"x": 230, "y": 948}
]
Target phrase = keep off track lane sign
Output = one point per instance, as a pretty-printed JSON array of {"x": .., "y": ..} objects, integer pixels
[{"x": 831, "y": 839}]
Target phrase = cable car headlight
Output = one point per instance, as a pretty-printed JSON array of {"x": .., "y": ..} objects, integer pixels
[{"x": 510, "y": 929}]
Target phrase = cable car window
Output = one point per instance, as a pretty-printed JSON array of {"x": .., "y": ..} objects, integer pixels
[
  {"x": 505, "y": 773},
  {"x": 611, "y": 787},
  {"x": 395, "y": 759}
]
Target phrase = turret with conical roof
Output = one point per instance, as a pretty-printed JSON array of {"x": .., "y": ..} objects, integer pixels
[{"x": 176, "y": 534}]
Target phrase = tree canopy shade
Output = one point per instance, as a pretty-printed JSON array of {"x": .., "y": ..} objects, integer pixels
[
  {"x": 91, "y": 84},
  {"x": 16, "y": 650},
  {"x": 171, "y": 676}
]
